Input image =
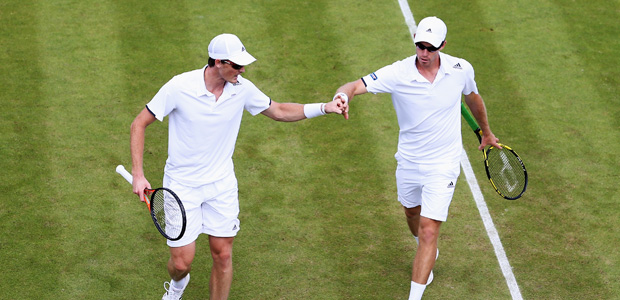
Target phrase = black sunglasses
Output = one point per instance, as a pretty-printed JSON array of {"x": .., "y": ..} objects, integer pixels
[
  {"x": 232, "y": 64},
  {"x": 429, "y": 48}
]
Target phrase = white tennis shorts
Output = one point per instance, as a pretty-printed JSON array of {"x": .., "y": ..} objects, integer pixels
[
  {"x": 211, "y": 209},
  {"x": 429, "y": 185}
]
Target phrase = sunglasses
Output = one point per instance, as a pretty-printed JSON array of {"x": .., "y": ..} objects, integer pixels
[
  {"x": 232, "y": 64},
  {"x": 429, "y": 48}
]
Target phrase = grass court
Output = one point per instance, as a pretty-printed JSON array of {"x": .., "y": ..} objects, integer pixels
[{"x": 319, "y": 214}]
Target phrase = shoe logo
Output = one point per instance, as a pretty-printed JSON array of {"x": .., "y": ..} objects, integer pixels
[
  {"x": 458, "y": 66},
  {"x": 429, "y": 30},
  {"x": 451, "y": 185}
]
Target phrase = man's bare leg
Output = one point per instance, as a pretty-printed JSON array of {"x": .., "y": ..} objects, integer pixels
[{"x": 222, "y": 270}]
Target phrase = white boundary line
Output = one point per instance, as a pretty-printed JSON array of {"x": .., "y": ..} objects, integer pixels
[
  {"x": 504, "y": 264},
  {"x": 511, "y": 281},
  {"x": 409, "y": 20}
]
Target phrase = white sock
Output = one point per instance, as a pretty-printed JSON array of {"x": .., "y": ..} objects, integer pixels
[
  {"x": 416, "y": 291},
  {"x": 181, "y": 284}
]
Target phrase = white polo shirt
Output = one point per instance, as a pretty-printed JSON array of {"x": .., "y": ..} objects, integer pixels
[
  {"x": 203, "y": 132},
  {"x": 429, "y": 114}
]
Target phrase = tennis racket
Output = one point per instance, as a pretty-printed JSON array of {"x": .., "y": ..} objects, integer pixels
[
  {"x": 165, "y": 207},
  {"x": 504, "y": 167}
]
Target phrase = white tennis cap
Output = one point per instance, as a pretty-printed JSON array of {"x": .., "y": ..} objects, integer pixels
[
  {"x": 228, "y": 46},
  {"x": 431, "y": 30}
]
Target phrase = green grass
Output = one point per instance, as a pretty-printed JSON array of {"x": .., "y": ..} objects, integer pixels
[{"x": 318, "y": 209}]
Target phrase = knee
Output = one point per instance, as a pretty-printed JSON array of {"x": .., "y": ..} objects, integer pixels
[
  {"x": 413, "y": 212},
  {"x": 221, "y": 255},
  {"x": 181, "y": 266},
  {"x": 222, "y": 260},
  {"x": 429, "y": 230},
  {"x": 427, "y": 234},
  {"x": 221, "y": 250}
]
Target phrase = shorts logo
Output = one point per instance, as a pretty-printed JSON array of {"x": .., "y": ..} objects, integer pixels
[
  {"x": 234, "y": 227},
  {"x": 451, "y": 185},
  {"x": 373, "y": 76}
]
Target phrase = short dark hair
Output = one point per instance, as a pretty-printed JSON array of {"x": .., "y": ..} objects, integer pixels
[{"x": 211, "y": 62}]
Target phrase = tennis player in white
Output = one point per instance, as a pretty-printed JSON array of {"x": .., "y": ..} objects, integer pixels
[
  {"x": 426, "y": 93},
  {"x": 204, "y": 108}
]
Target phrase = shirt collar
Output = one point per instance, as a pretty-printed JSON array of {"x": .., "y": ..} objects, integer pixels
[
  {"x": 443, "y": 69},
  {"x": 229, "y": 88}
]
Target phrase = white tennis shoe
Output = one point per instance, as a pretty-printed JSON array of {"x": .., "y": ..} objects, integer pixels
[
  {"x": 430, "y": 276},
  {"x": 171, "y": 294}
]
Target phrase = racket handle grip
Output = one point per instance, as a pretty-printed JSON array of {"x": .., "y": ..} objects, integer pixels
[
  {"x": 121, "y": 170},
  {"x": 471, "y": 121}
]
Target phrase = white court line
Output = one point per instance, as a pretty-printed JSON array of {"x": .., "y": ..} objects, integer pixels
[
  {"x": 409, "y": 20},
  {"x": 490, "y": 227},
  {"x": 511, "y": 281}
]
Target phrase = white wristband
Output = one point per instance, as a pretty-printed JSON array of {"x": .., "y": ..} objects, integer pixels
[
  {"x": 343, "y": 96},
  {"x": 314, "y": 110}
]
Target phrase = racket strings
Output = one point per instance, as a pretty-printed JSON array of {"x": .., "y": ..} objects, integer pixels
[
  {"x": 167, "y": 213},
  {"x": 507, "y": 172}
]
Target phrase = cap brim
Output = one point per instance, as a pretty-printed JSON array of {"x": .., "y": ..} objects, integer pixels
[
  {"x": 429, "y": 38},
  {"x": 243, "y": 59}
]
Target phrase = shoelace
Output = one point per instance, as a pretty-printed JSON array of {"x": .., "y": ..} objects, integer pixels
[{"x": 170, "y": 292}]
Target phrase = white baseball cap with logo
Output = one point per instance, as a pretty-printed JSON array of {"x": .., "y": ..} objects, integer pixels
[
  {"x": 228, "y": 46},
  {"x": 431, "y": 30}
]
